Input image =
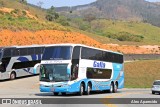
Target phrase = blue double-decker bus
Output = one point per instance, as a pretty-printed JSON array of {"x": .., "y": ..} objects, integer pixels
[{"x": 76, "y": 68}]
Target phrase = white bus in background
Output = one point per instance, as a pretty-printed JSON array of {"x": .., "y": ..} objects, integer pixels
[
  {"x": 19, "y": 61},
  {"x": 74, "y": 68}
]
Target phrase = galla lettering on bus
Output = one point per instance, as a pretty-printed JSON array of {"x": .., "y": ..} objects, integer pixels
[{"x": 99, "y": 64}]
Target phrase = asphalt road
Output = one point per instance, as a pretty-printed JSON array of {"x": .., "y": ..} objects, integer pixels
[{"x": 29, "y": 88}]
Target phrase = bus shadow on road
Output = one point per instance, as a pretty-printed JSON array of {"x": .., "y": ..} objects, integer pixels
[
  {"x": 74, "y": 94},
  {"x": 18, "y": 78},
  {"x": 154, "y": 94}
]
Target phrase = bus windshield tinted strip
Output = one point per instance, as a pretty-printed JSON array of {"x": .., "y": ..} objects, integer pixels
[{"x": 57, "y": 53}]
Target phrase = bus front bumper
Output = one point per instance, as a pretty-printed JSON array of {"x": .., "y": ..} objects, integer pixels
[{"x": 55, "y": 89}]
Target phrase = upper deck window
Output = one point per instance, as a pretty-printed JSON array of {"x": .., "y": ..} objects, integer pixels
[{"x": 57, "y": 53}]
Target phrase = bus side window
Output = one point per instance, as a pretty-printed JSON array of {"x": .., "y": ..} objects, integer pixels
[
  {"x": 16, "y": 52},
  {"x": 74, "y": 72},
  {"x": 23, "y": 51},
  {"x": 31, "y": 51},
  {"x": 38, "y": 50}
]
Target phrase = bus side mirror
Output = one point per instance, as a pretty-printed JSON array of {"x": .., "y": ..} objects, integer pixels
[
  {"x": 36, "y": 68},
  {"x": 0, "y": 63}
]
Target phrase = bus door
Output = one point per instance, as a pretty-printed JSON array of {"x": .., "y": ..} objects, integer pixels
[
  {"x": 3, "y": 65},
  {"x": 3, "y": 73}
]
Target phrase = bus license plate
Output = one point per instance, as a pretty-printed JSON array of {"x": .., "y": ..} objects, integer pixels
[{"x": 52, "y": 89}]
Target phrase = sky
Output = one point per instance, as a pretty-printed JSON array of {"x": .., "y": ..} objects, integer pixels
[{"x": 60, "y": 3}]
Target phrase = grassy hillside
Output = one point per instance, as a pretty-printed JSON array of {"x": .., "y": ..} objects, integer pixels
[
  {"x": 16, "y": 4},
  {"x": 20, "y": 19},
  {"x": 120, "y": 32},
  {"x": 8, "y": 21},
  {"x": 17, "y": 16},
  {"x": 141, "y": 74}
]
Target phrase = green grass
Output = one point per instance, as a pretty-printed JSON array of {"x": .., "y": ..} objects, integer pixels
[
  {"x": 8, "y": 21},
  {"x": 18, "y": 20},
  {"x": 15, "y": 4},
  {"x": 141, "y": 74},
  {"x": 149, "y": 32},
  {"x": 104, "y": 28}
]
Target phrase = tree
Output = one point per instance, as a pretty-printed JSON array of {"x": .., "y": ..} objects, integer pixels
[
  {"x": 51, "y": 14},
  {"x": 63, "y": 21},
  {"x": 89, "y": 17},
  {"x": 23, "y": 1}
]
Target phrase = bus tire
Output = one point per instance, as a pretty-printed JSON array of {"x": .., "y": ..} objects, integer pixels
[
  {"x": 115, "y": 88},
  {"x": 111, "y": 88},
  {"x": 55, "y": 93},
  {"x": 81, "y": 90},
  {"x": 12, "y": 75},
  {"x": 88, "y": 89}
]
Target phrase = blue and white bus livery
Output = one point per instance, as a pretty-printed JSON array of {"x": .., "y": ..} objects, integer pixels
[
  {"x": 17, "y": 61},
  {"x": 74, "y": 68}
]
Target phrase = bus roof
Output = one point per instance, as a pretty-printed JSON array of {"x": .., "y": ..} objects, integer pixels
[
  {"x": 71, "y": 44},
  {"x": 25, "y": 46},
  {"x": 63, "y": 44}
]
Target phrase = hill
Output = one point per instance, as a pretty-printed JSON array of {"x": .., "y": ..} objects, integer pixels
[
  {"x": 119, "y": 32},
  {"x": 130, "y": 10},
  {"x": 158, "y": 3},
  {"x": 9, "y": 38},
  {"x": 17, "y": 4},
  {"x": 19, "y": 15},
  {"x": 19, "y": 26},
  {"x": 17, "y": 19},
  {"x": 143, "y": 76}
]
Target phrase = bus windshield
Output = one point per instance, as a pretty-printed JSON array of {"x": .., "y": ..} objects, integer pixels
[
  {"x": 54, "y": 72},
  {"x": 156, "y": 83},
  {"x": 57, "y": 53}
]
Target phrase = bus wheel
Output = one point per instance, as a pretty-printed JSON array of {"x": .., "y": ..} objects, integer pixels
[
  {"x": 88, "y": 89},
  {"x": 81, "y": 90},
  {"x": 12, "y": 75},
  {"x": 55, "y": 93},
  {"x": 111, "y": 88},
  {"x": 115, "y": 88}
]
